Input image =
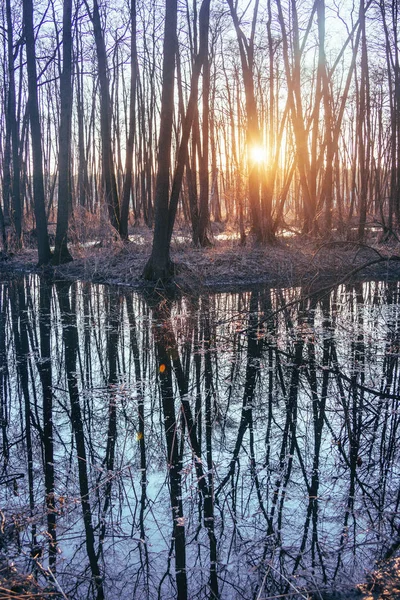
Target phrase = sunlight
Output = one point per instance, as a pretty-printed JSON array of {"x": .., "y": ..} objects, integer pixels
[{"x": 258, "y": 154}]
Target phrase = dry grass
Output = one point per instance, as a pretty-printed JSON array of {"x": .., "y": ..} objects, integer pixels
[
  {"x": 18, "y": 586},
  {"x": 226, "y": 266},
  {"x": 384, "y": 582}
]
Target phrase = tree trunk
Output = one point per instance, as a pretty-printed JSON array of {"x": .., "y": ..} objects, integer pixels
[
  {"x": 3, "y": 230},
  {"x": 127, "y": 188},
  {"x": 327, "y": 188},
  {"x": 253, "y": 136},
  {"x": 363, "y": 129},
  {"x": 296, "y": 109},
  {"x": 83, "y": 177},
  {"x": 44, "y": 253},
  {"x": 16, "y": 214},
  {"x": 159, "y": 265},
  {"x": 204, "y": 211},
  {"x": 61, "y": 252},
  {"x": 110, "y": 184},
  {"x": 188, "y": 122},
  {"x": 191, "y": 175},
  {"x": 6, "y": 179}
]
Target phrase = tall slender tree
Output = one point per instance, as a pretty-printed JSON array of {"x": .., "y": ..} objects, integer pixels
[
  {"x": 127, "y": 187},
  {"x": 109, "y": 180},
  {"x": 16, "y": 211},
  {"x": 261, "y": 223},
  {"x": 3, "y": 230},
  {"x": 159, "y": 265},
  {"x": 61, "y": 253},
  {"x": 204, "y": 210},
  {"x": 44, "y": 253},
  {"x": 363, "y": 125}
]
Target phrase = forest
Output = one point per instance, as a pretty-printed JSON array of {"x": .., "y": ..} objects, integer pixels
[
  {"x": 199, "y": 299},
  {"x": 270, "y": 117}
]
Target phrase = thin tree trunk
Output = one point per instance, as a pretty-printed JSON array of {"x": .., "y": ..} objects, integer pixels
[
  {"x": 295, "y": 104},
  {"x": 44, "y": 253},
  {"x": 327, "y": 189},
  {"x": 188, "y": 122},
  {"x": 83, "y": 177},
  {"x": 3, "y": 230},
  {"x": 363, "y": 129},
  {"x": 127, "y": 188},
  {"x": 15, "y": 142},
  {"x": 159, "y": 265},
  {"x": 204, "y": 210},
  {"x": 253, "y": 137},
  {"x": 110, "y": 184},
  {"x": 61, "y": 252}
]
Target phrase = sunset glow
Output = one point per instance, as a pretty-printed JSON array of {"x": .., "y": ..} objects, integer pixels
[{"x": 258, "y": 154}]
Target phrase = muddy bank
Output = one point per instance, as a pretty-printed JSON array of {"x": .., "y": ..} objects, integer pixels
[{"x": 227, "y": 266}]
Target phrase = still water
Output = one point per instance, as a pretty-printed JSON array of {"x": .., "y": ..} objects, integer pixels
[{"x": 231, "y": 446}]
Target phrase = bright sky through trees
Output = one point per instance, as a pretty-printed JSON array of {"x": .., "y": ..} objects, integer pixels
[{"x": 315, "y": 84}]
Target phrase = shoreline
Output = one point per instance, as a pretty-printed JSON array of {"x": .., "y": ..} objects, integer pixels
[{"x": 225, "y": 267}]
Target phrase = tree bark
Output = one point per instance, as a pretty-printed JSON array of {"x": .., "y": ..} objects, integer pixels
[
  {"x": 44, "y": 254},
  {"x": 16, "y": 213},
  {"x": 3, "y": 230},
  {"x": 159, "y": 265},
  {"x": 110, "y": 183},
  {"x": 61, "y": 252},
  {"x": 363, "y": 128},
  {"x": 187, "y": 124},
  {"x": 253, "y": 134},
  {"x": 126, "y": 192},
  {"x": 204, "y": 211}
]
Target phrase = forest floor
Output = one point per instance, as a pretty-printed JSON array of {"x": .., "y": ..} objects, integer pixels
[{"x": 226, "y": 265}]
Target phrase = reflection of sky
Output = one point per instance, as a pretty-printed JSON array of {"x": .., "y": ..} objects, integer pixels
[{"x": 240, "y": 526}]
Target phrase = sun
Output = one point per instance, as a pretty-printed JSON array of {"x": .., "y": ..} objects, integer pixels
[{"x": 258, "y": 154}]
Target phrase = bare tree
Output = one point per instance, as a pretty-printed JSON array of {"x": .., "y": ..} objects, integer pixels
[
  {"x": 389, "y": 13},
  {"x": 127, "y": 187},
  {"x": 61, "y": 252},
  {"x": 159, "y": 265},
  {"x": 253, "y": 134},
  {"x": 363, "y": 127},
  {"x": 13, "y": 126},
  {"x": 204, "y": 210},
  {"x": 44, "y": 253},
  {"x": 107, "y": 160}
]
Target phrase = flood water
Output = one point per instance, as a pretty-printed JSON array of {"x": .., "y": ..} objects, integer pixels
[{"x": 231, "y": 446}]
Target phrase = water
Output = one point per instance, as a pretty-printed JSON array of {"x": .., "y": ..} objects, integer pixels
[{"x": 228, "y": 446}]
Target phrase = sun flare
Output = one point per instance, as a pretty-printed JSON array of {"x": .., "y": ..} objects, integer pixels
[{"x": 258, "y": 154}]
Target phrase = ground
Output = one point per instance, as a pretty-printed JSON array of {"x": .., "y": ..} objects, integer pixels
[
  {"x": 382, "y": 584},
  {"x": 226, "y": 266}
]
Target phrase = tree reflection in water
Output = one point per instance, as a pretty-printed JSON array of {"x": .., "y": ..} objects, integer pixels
[{"x": 227, "y": 446}]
